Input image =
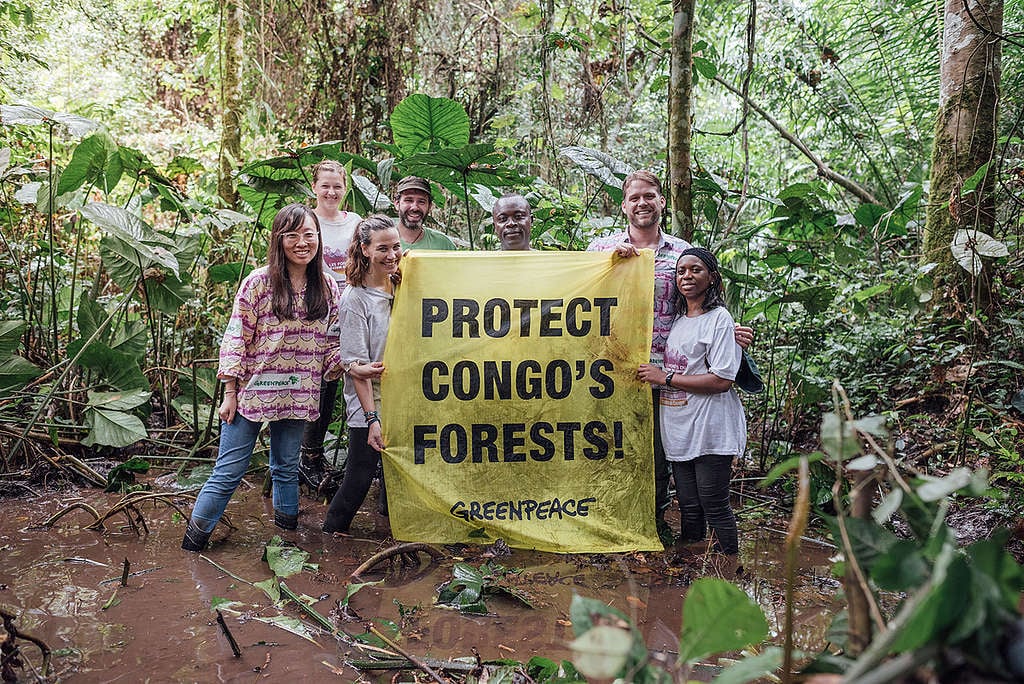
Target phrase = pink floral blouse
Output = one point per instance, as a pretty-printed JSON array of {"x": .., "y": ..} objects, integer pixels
[{"x": 279, "y": 364}]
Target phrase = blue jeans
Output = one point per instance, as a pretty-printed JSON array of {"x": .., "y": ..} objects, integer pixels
[{"x": 237, "y": 440}]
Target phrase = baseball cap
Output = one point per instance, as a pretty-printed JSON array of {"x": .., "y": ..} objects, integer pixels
[{"x": 412, "y": 183}]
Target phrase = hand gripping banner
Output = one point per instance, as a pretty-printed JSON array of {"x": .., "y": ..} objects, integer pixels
[{"x": 510, "y": 403}]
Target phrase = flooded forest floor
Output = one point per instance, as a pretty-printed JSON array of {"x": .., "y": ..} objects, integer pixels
[{"x": 64, "y": 584}]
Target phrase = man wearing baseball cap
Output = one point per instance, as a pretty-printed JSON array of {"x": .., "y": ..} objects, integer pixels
[{"x": 412, "y": 199}]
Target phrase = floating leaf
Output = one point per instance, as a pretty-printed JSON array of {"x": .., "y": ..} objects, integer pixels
[
  {"x": 284, "y": 560},
  {"x": 291, "y": 624}
]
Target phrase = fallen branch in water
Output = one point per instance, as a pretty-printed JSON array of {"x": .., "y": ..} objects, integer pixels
[
  {"x": 413, "y": 659},
  {"x": 405, "y": 551},
  {"x": 227, "y": 632},
  {"x": 9, "y": 649}
]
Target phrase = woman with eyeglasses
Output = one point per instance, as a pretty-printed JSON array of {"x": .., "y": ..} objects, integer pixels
[{"x": 273, "y": 357}]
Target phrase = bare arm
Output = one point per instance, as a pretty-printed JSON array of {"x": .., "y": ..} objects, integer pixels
[
  {"x": 229, "y": 406},
  {"x": 705, "y": 383},
  {"x": 364, "y": 392}
]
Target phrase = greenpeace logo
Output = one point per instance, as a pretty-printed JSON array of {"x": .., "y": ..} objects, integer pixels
[{"x": 275, "y": 381}]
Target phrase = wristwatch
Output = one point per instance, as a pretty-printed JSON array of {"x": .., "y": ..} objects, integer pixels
[{"x": 668, "y": 379}]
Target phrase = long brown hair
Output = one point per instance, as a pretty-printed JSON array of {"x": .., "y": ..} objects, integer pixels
[
  {"x": 358, "y": 265},
  {"x": 289, "y": 219}
]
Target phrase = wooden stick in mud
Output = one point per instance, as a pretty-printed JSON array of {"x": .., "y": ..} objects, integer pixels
[
  {"x": 797, "y": 526},
  {"x": 398, "y": 550},
  {"x": 227, "y": 633},
  {"x": 124, "y": 573},
  {"x": 413, "y": 659}
]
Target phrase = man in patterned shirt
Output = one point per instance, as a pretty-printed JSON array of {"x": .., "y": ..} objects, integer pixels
[{"x": 643, "y": 204}]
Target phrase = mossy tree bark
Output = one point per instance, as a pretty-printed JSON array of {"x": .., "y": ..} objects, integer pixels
[
  {"x": 232, "y": 45},
  {"x": 965, "y": 137},
  {"x": 679, "y": 98}
]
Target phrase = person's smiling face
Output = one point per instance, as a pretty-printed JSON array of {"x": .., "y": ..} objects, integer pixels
[
  {"x": 642, "y": 204},
  {"x": 413, "y": 207},
  {"x": 300, "y": 246},
  {"x": 513, "y": 223},
  {"x": 384, "y": 251},
  {"x": 329, "y": 189}
]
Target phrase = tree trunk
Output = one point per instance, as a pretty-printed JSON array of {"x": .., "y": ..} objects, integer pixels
[
  {"x": 965, "y": 136},
  {"x": 231, "y": 99},
  {"x": 679, "y": 97}
]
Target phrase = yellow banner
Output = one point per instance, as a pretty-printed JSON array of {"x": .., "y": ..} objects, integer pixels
[{"x": 511, "y": 407}]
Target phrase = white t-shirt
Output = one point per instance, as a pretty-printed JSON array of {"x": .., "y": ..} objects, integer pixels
[
  {"x": 337, "y": 236},
  {"x": 693, "y": 425}
]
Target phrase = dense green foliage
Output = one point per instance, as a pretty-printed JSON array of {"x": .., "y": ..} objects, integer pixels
[{"x": 118, "y": 262}]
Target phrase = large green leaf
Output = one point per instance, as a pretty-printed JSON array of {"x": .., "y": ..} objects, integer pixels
[
  {"x": 118, "y": 369},
  {"x": 10, "y": 336},
  {"x": 95, "y": 161},
  {"x": 15, "y": 373},
  {"x": 132, "y": 339},
  {"x": 165, "y": 292},
  {"x": 90, "y": 316},
  {"x": 34, "y": 116},
  {"x": 421, "y": 123},
  {"x": 112, "y": 428},
  {"x": 718, "y": 616},
  {"x": 476, "y": 164},
  {"x": 152, "y": 247},
  {"x": 601, "y": 165},
  {"x": 368, "y": 198},
  {"x": 119, "y": 401}
]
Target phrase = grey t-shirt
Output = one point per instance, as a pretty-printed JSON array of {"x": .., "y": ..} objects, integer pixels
[{"x": 364, "y": 318}]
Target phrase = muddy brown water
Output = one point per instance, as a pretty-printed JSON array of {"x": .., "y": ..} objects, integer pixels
[{"x": 160, "y": 627}]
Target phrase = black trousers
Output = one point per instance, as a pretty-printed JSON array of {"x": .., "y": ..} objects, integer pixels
[
  {"x": 316, "y": 430},
  {"x": 702, "y": 488},
  {"x": 661, "y": 469},
  {"x": 360, "y": 468}
]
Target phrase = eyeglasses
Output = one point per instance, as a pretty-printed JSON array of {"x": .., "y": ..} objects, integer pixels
[{"x": 292, "y": 238}]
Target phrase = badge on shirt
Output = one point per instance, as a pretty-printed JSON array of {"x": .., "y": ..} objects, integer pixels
[{"x": 274, "y": 381}]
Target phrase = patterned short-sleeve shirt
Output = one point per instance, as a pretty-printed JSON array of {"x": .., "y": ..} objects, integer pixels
[
  {"x": 279, "y": 364},
  {"x": 665, "y": 257}
]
